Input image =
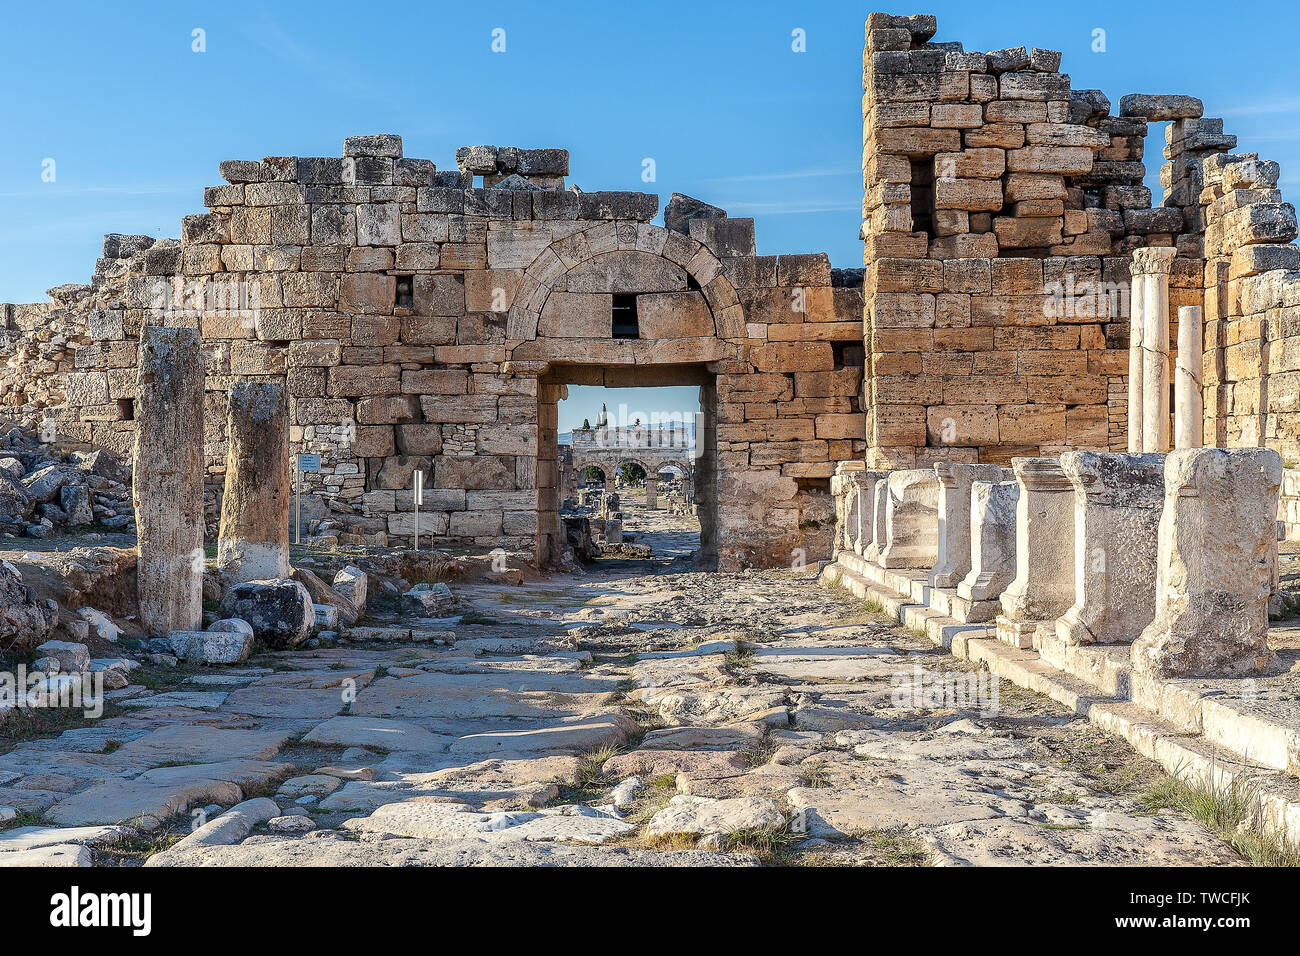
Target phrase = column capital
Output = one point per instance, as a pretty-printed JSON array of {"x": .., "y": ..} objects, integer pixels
[
  {"x": 1153, "y": 260},
  {"x": 1041, "y": 474}
]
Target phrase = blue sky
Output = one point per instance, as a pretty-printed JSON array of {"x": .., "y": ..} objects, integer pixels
[{"x": 136, "y": 122}]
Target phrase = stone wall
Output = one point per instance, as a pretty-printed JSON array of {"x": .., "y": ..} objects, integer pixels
[
  {"x": 1000, "y": 208},
  {"x": 421, "y": 321}
]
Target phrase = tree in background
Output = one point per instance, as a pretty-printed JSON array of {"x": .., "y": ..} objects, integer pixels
[{"x": 631, "y": 472}]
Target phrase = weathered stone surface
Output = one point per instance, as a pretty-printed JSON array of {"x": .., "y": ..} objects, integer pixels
[
  {"x": 253, "y": 544},
  {"x": 911, "y": 520},
  {"x": 280, "y": 612},
  {"x": 1159, "y": 108},
  {"x": 232, "y": 826},
  {"x": 1216, "y": 531},
  {"x": 993, "y": 540},
  {"x": 72, "y": 657},
  {"x": 1043, "y": 587},
  {"x": 334, "y": 850},
  {"x": 702, "y": 816},
  {"x": 954, "y": 520},
  {"x": 1117, "y": 504},
  {"x": 208, "y": 647},
  {"x": 168, "y": 480}
]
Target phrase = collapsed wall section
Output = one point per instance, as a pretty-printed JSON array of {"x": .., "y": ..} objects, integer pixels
[{"x": 1000, "y": 209}]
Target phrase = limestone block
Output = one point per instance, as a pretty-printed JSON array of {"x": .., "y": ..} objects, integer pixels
[
  {"x": 954, "y": 517},
  {"x": 1217, "y": 533},
  {"x": 911, "y": 519},
  {"x": 253, "y": 543},
  {"x": 168, "y": 480},
  {"x": 1117, "y": 502},
  {"x": 1044, "y": 584},
  {"x": 862, "y": 535},
  {"x": 992, "y": 540},
  {"x": 879, "y": 510}
]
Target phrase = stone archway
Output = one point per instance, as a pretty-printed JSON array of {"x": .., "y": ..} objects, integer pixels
[{"x": 560, "y": 330}]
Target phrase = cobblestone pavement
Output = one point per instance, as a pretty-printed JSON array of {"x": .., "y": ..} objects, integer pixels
[{"x": 641, "y": 714}]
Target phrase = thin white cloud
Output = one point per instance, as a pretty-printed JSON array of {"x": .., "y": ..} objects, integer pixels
[
  {"x": 1289, "y": 104},
  {"x": 812, "y": 173},
  {"x": 56, "y": 191},
  {"x": 794, "y": 206}
]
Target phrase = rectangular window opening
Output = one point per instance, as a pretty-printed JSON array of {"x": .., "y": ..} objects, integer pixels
[
  {"x": 626, "y": 324},
  {"x": 849, "y": 355},
  {"x": 923, "y": 196},
  {"x": 404, "y": 297}
]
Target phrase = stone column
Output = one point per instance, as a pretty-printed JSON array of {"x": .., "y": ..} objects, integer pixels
[
  {"x": 651, "y": 492},
  {"x": 1135, "y": 406},
  {"x": 168, "y": 480},
  {"x": 879, "y": 512},
  {"x": 1044, "y": 584},
  {"x": 253, "y": 544},
  {"x": 1153, "y": 264},
  {"x": 1187, "y": 379},
  {"x": 1213, "y": 582},
  {"x": 865, "y": 532},
  {"x": 992, "y": 545},
  {"x": 954, "y": 550},
  {"x": 911, "y": 520},
  {"x": 1117, "y": 503},
  {"x": 844, "y": 492}
]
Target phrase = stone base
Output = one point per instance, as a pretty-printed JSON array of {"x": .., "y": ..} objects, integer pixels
[
  {"x": 1016, "y": 633},
  {"x": 951, "y": 604}
]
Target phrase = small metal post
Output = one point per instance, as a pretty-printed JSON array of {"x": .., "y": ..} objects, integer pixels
[{"x": 419, "y": 499}]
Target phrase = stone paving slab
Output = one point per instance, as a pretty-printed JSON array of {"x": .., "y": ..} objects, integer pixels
[{"x": 157, "y": 795}]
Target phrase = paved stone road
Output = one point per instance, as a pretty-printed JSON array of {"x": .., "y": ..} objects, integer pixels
[{"x": 759, "y": 717}]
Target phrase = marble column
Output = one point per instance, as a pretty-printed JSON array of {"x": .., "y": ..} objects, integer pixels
[
  {"x": 1187, "y": 379},
  {"x": 1135, "y": 406},
  {"x": 879, "y": 511},
  {"x": 651, "y": 493},
  {"x": 911, "y": 520},
  {"x": 992, "y": 547},
  {"x": 954, "y": 555},
  {"x": 1044, "y": 583},
  {"x": 868, "y": 482},
  {"x": 1213, "y": 578},
  {"x": 167, "y": 487},
  {"x": 253, "y": 543},
  {"x": 1117, "y": 505},
  {"x": 1153, "y": 265}
]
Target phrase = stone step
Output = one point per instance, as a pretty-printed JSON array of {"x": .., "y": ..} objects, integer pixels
[{"x": 1196, "y": 736}]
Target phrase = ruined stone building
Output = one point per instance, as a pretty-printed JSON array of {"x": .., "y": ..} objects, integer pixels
[{"x": 431, "y": 319}]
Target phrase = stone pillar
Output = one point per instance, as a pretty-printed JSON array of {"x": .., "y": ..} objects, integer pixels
[
  {"x": 1135, "y": 405},
  {"x": 844, "y": 492},
  {"x": 992, "y": 545},
  {"x": 651, "y": 493},
  {"x": 954, "y": 553},
  {"x": 1117, "y": 502},
  {"x": 879, "y": 512},
  {"x": 168, "y": 480},
  {"x": 253, "y": 544},
  {"x": 1213, "y": 582},
  {"x": 1153, "y": 265},
  {"x": 1187, "y": 379},
  {"x": 1044, "y": 583},
  {"x": 911, "y": 520},
  {"x": 864, "y": 535}
]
